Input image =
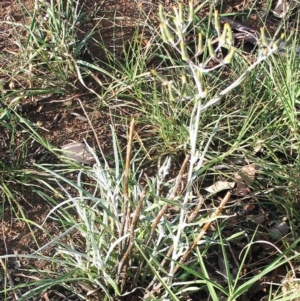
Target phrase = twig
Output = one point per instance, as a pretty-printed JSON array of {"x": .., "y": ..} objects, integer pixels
[{"x": 237, "y": 264}]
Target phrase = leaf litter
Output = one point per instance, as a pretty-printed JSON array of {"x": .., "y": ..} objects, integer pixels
[{"x": 253, "y": 218}]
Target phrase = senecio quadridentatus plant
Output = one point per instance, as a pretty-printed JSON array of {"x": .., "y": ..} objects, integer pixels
[{"x": 174, "y": 33}]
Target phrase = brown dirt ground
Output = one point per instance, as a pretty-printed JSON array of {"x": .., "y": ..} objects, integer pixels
[{"x": 16, "y": 236}]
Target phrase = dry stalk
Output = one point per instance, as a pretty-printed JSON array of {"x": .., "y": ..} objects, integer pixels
[
  {"x": 125, "y": 221},
  {"x": 123, "y": 264},
  {"x": 190, "y": 219},
  {"x": 137, "y": 136},
  {"x": 126, "y": 215},
  {"x": 194, "y": 244},
  {"x": 93, "y": 129},
  {"x": 162, "y": 211},
  {"x": 202, "y": 232},
  {"x": 195, "y": 212},
  {"x": 172, "y": 196}
]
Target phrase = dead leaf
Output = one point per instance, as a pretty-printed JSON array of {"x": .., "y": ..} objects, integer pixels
[
  {"x": 78, "y": 152},
  {"x": 258, "y": 219},
  {"x": 281, "y": 8},
  {"x": 249, "y": 207},
  {"x": 219, "y": 186},
  {"x": 279, "y": 229},
  {"x": 244, "y": 179}
]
